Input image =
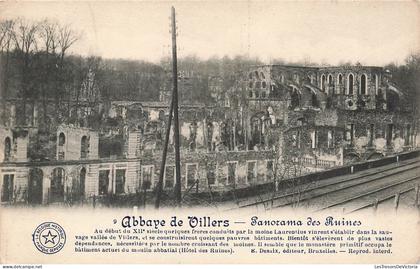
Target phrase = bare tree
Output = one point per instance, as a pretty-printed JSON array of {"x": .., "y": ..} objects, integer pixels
[
  {"x": 48, "y": 32},
  {"x": 66, "y": 38},
  {"x": 24, "y": 36},
  {"x": 48, "y": 35},
  {"x": 36, "y": 52},
  {"x": 6, "y": 28}
]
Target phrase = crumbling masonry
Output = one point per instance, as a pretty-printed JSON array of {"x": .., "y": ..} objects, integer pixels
[{"x": 277, "y": 122}]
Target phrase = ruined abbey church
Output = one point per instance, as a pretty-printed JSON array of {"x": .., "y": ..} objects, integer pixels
[{"x": 277, "y": 122}]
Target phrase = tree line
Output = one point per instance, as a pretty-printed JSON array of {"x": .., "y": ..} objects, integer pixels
[
  {"x": 36, "y": 66},
  {"x": 34, "y": 62}
]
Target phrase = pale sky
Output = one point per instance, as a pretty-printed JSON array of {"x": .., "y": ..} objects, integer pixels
[{"x": 373, "y": 33}]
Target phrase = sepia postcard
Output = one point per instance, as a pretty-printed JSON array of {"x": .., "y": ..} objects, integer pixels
[{"x": 186, "y": 132}]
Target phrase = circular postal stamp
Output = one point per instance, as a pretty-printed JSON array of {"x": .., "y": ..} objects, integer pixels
[{"x": 49, "y": 237}]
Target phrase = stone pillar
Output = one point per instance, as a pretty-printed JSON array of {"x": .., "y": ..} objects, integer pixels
[
  {"x": 46, "y": 183},
  {"x": 131, "y": 177},
  {"x": 92, "y": 180},
  {"x": 21, "y": 183},
  {"x": 68, "y": 179},
  {"x": 93, "y": 146}
]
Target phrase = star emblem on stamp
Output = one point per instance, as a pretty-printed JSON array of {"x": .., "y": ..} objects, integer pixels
[{"x": 49, "y": 237}]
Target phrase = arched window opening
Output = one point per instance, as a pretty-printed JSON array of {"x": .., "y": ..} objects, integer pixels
[
  {"x": 61, "y": 143},
  {"x": 323, "y": 82},
  {"x": 7, "y": 149},
  {"x": 330, "y": 84},
  {"x": 363, "y": 84},
  {"x": 340, "y": 84},
  {"x": 330, "y": 80},
  {"x": 61, "y": 139},
  {"x": 350, "y": 85}
]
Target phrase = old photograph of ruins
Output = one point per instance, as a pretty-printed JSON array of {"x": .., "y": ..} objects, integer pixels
[{"x": 222, "y": 105}]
